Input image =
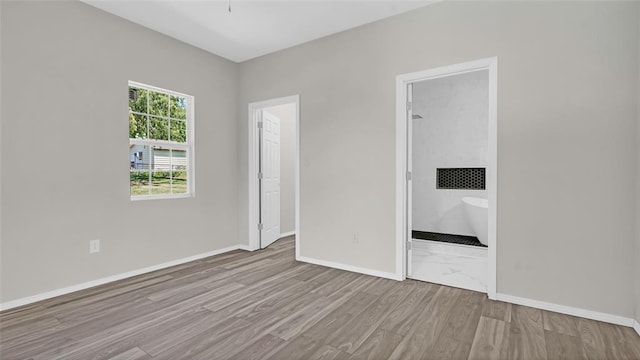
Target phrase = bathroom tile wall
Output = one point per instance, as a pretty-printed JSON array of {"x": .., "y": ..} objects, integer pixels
[{"x": 452, "y": 133}]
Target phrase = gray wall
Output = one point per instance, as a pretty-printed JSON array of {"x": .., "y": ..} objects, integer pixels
[
  {"x": 0, "y": 150},
  {"x": 286, "y": 114},
  {"x": 453, "y": 133},
  {"x": 566, "y": 132},
  {"x": 637, "y": 279},
  {"x": 65, "y": 67}
]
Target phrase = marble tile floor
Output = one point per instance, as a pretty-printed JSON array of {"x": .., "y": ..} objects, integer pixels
[{"x": 448, "y": 264}]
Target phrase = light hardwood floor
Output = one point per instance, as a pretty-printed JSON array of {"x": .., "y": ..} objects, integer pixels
[{"x": 265, "y": 305}]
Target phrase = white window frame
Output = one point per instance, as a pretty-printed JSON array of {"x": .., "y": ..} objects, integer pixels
[{"x": 188, "y": 146}]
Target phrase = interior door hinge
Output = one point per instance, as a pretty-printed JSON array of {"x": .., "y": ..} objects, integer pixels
[
  {"x": 260, "y": 175},
  {"x": 260, "y": 226},
  {"x": 408, "y": 245},
  {"x": 408, "y": 105},
  {"x": 260, "y": 124},
  {"x": 408, "y": 175}
]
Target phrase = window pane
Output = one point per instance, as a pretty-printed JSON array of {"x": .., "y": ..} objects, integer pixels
[
  {"x": 178, "y": 131},
  {"x": 158, "y": 104},
  {"x": 158, "y": 128},
  {"x": 138, "y": 170},
  {"x": 137, "y": 99},
  {"x": 178, "y": 108},
  {"x": 161, "y": 171},
  {"x": 160, "y": 182},
  {"x": 158, "y": 120},
  {"x": 137, "y": 126},
  {"x": 179, "y": 164}
]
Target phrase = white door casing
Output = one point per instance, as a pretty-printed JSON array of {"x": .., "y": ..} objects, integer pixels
[
  {"x": 255, "y": 110},
  {"x": 403, "y": 158},
  {"x": 409, "y": 209},
  {"x": 270, "y": 180}
]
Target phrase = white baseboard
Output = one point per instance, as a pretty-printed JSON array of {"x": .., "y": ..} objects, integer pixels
[
  {"x": 287, "y": 234},
  {"x": 335, "y": 265},
  {"x": 245, "y": 247},
  {"x": 587, "y": 314},
  {"x": 636, "y": 326},
  {"x": 89, "y": 284}
]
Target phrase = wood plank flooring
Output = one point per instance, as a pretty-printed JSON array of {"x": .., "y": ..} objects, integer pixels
[{"x": 265, "y": 305}]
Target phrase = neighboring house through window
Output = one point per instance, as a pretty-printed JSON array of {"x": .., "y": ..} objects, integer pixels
[{"x": 160, "y": 143}]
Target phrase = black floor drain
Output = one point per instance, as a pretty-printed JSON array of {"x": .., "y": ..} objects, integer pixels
[{"x": 448, "y": 238}]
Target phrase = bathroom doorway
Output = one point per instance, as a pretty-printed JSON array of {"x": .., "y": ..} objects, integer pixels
[{"x": 447, "y": 158}]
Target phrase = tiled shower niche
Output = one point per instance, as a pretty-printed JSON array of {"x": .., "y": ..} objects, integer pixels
[{"x": 461, "y": 178}]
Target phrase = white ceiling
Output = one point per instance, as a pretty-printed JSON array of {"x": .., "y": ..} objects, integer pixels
[{"x": 253, "y": 28}]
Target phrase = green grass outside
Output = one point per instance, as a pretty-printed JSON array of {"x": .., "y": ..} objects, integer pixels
[{"x": 160, "y": 184}]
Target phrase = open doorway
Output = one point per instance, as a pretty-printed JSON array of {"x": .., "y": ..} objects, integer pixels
[
  {"x": 273, "y": 171},
  {"x": 446, "y": 175}
]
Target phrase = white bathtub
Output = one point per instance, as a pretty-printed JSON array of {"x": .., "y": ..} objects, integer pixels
[{"x": 477, "y": 210}]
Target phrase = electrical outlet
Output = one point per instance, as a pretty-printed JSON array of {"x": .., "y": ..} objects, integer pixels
[{"x": 94, "y": 246}]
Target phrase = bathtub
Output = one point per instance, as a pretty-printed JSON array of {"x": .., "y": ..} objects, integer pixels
[{"x": 477, "y": 210}]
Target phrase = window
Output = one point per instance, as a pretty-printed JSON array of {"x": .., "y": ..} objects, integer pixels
[{"x": 160, "y": 143}]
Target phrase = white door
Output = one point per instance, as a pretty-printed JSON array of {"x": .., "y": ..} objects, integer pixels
[
  {"x": 270, "y": 182},
  {"x": 409, "y": 177}
]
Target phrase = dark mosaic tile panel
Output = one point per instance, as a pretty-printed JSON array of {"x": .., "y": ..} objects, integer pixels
[{"x": 461, "y": 178}]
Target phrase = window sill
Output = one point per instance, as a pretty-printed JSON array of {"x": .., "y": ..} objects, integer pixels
[{"x": 161, "y": 197}]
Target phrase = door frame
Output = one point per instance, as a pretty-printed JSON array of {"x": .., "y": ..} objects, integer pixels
[
  {"x": 402, "y": 155},
  {"x": 255, "y": 114}
]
